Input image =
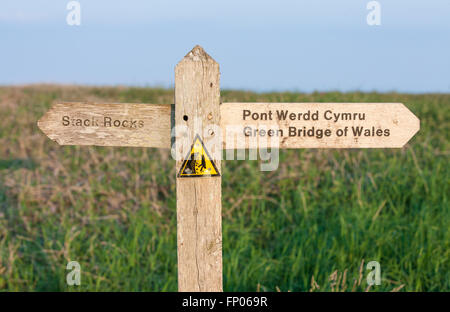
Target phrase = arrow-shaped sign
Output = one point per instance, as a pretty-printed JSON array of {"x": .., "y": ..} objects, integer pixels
[
  {"x": 318, "y": 125},
  {"x": 101, "y": 124}
]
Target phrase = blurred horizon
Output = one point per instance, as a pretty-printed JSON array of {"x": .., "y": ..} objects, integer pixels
[{"x": 261, "y": 46}]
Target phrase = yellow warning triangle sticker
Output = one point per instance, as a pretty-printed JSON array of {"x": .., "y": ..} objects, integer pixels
[{"x": 198, "y": 163}]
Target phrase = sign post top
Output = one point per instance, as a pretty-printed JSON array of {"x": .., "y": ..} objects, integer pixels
[{"x": 197, "y": 54}]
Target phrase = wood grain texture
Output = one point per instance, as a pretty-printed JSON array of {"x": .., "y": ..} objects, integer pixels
[
  {"x": 399, "y": 120},
  {"x": 156, "y": 121},
  {"x": 199, "y": 200},
  {"x": 107, "y": 124}
]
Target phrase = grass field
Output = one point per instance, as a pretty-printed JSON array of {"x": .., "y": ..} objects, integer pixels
[{"x": 313, "y": 221}]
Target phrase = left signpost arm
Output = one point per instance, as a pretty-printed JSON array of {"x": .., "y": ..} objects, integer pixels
[{"x": 108, "y": 124}]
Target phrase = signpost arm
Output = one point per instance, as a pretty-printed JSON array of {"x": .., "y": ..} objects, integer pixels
[{"x": 199, "y": 207}]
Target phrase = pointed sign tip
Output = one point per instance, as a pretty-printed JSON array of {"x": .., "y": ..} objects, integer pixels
[
  {"x": 198, "y": 53},
  {"x": 198, "y": 47},
  {"x": 40, "y": 124},
  {"x": 414, "y": 123}
]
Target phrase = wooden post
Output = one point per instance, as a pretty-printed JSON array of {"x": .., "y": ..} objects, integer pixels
[{"x": 199, "y": 199}]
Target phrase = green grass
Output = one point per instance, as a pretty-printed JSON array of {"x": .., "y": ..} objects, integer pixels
[{"x": 319, "y": 215}]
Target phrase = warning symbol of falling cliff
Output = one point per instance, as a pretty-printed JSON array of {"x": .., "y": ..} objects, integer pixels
[{"x": 198, "y": 163}]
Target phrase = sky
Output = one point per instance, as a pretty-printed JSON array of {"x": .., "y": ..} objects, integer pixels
[{"x": 279, "y": 45}]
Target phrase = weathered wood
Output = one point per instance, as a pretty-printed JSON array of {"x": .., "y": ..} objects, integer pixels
[
  {"x": 106, "y": 124},
  {"x": 388, "y": 125},
  {"x": 199, "y": 207},
  {"x": 156, "y": 125}
]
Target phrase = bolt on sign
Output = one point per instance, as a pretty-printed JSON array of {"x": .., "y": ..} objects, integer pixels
[{"x": 199, "y": 127}]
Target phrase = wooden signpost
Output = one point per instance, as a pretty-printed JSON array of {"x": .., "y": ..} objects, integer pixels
[{"x": 198, "y": 127}]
